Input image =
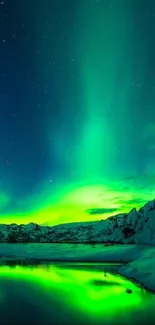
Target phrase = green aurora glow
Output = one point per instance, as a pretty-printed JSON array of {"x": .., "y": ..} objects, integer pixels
[
  {"x": 104, "y": 57},
  {"x": 72, "y": 203}
]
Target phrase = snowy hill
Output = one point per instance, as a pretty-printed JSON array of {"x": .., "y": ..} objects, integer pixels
[{"x": 136, "y": 227}]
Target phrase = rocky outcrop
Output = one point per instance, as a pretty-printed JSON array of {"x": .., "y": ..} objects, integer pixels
[{"x": 136, "y": 227}]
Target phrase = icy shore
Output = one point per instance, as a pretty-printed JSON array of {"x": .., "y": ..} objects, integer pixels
[{"x": 139, "y": 261}]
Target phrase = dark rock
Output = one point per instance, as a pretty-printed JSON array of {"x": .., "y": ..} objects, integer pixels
[
  {"x": 128, "y": 232},
  {"x": 128, "y": 291},
  {"x": 108, "y": 244}
]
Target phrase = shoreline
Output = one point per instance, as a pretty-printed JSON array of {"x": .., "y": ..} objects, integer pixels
[
  {"x": 137, "y": 261},
  {"x": 137, "y": 283}
]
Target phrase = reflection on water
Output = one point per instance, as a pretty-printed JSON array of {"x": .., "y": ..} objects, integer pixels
[{"x": 67, "y": 294}]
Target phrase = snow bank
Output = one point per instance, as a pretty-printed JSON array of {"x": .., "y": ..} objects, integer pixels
[{"x": 142, "y": 269}]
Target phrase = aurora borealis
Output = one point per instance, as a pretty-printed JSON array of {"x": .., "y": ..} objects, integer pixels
[{"x": 77, "y": 117}]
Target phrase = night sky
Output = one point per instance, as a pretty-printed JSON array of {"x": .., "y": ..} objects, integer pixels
[{"x": 77, "y": 108}]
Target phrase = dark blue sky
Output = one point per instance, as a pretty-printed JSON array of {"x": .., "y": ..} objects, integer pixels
[
  {"x": 23, "y": 95},
  {"x": 51, "y": 73}
]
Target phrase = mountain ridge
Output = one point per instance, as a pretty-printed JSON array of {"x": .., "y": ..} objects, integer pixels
[{"x": 135, "y": 227}]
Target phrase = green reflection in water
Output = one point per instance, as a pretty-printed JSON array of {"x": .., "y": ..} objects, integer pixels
[{"x": 89, "y": 292}]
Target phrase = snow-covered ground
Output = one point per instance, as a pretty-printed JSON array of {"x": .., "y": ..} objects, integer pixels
[
  {"x": 142, "y": 269},
  {"x": 139, "y": 260},
  {"x": 71, "y": 252}
]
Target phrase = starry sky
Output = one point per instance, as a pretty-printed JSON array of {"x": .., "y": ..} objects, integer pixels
[{"x": 77, "y": 109}]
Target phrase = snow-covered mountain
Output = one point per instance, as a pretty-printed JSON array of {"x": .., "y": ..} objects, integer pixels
[{"x": 132, "y": 228}]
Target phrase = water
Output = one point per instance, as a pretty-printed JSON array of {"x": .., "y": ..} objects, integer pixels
[{"x": 71, "y": 294}]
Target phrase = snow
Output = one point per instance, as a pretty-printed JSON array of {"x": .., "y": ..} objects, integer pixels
[
  {"x": 142, "y": 269},
  {"x": 69, "y": 252}
]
